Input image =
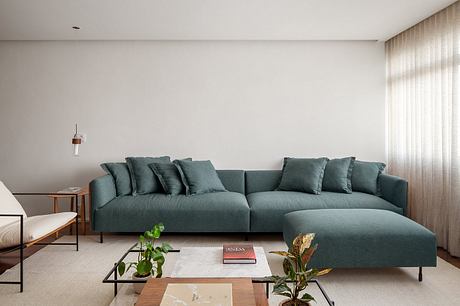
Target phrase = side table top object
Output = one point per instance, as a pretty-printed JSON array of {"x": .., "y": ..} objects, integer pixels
[{"x": 80, "y": 191}]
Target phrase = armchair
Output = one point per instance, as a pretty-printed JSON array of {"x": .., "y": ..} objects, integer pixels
[{"x": 18, "y": 231}]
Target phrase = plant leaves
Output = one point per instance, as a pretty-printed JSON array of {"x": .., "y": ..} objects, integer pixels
[
  {"x": 156, "y": 232},
  {"x": 166, "y": 247},
  {"x": 141, "y": 239},
  {"x": 282, "y": 253},
  {"x": 159, "y": 269},
  {"x": 307, "y": 298},
  {"x": 302, "y": 242},
  {"x": 144, "y": 267},
  {"x": 121, "y": 268},
  {"x": 148, "y": 235},
  {"x": 282, "y": 289},
  {"x": 307, "y": 254},
  {"x": 323, "y": 272},
  {"x": 157, "y": 256},
  {"x": 291, "y": 268}
]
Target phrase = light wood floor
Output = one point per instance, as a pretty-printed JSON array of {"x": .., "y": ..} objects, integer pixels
[{"x": 11, "y": 259}]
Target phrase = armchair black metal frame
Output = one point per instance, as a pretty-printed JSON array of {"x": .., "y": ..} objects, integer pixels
[{"x": 23, "y": 245}]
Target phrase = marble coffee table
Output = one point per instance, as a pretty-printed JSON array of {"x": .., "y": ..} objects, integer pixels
[{"x": 206, "y": 262}]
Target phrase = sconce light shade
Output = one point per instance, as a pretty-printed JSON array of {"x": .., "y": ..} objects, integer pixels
[{"x": 77, "y": 140}]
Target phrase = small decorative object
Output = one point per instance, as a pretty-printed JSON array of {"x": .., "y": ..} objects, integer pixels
[
  {"x": 77, "y": 140},
  {"x": 198, "y": 294},
  {"x": 295, "y": 266},
  {"x": 150, "y": 259}
]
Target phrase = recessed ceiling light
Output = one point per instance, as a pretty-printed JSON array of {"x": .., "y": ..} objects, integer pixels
[{"x": 76, "y": 28}]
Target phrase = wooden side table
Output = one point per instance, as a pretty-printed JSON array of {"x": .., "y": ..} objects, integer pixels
[{"x": 82, "y": 193}]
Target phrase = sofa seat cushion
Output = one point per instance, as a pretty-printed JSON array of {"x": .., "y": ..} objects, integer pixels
[
  {"x": 210, "y": 212},
  {"x": 360, "y": 238},
  {"x": 269, "y": 207},
  {"x": 35, "y": 227}
]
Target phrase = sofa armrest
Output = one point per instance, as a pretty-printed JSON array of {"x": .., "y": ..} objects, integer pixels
[
  {"x": 102, "y": 190},
  {"x": 395, "y": 190}
]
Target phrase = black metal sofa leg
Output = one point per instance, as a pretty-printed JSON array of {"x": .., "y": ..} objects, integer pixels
[
  {"x": 101, "y": 237},
  {"x": 420, "y": 274}
]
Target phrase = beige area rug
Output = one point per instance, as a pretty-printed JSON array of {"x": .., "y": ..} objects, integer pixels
[{"x": 57, "y": 275}]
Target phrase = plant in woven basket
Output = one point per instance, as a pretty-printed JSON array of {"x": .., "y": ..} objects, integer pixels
[
  {"x": 151, "y": 258},
  {"x": 295, "y": 266}
]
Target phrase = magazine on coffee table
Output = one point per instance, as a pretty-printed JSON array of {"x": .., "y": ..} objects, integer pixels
[{"x": 198, "y": 294}]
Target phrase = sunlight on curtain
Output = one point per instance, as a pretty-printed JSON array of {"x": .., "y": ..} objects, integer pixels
[{"x": 423, "y": 121}]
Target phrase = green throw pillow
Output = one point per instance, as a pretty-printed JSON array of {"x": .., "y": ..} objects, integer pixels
[
  {"x": 169, "y": 177},
  {"x": 199, "y": 177},
  {"x": 337, "y": 175},
  {"x": 121, "y": 176},
  {"x": 143, "y": 179},
  {"x": 365, "y": 177},
  {"x": 303, "y": 174}
]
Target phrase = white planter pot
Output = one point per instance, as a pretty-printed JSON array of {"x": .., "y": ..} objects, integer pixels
[{"x": 139, "y": 286}]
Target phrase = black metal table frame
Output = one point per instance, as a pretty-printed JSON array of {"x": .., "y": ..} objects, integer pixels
[
  {"x": 22, "y": 246},
  {"x": 115, "y": 281}
]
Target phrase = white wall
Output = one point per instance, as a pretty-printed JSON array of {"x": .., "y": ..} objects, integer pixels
[{"x": 242, "y": 104}]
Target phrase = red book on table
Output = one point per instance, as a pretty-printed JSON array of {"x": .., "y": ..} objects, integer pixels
[{"x": 239, "y": 254}]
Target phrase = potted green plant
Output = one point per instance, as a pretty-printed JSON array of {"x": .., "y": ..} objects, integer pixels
[
  {"x": 297, "y": 272},
  {"x": 150, "y": 259}
]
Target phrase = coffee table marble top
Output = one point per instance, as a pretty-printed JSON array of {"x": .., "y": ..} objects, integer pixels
[{"x": 207, "y": 262}]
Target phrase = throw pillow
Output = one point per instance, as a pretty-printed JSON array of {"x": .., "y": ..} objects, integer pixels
[
  {"x": 365, "y": 177},
  {"x": 199, "y": 177},
  {"x": 337, "y": 175},
  {"x": 303, "y": 174},
  {"x": 169, "y": 177},
  {"x": 143, "y": 179},
  {"x": 121, "y": 176}
]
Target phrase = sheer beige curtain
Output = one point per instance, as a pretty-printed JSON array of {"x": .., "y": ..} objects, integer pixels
[{"x": 423, "y": 121}]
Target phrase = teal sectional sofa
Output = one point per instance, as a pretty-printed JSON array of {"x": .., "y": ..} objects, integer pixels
[
  {"x": 250, "y": 205},
  {"x": 352, "y": 229}
]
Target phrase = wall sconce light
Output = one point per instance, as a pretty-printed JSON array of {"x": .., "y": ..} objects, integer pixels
[{"x": 77, "y": 140}]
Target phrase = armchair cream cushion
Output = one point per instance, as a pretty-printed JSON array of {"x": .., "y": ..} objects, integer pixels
[{"x": 35, "y": 227}]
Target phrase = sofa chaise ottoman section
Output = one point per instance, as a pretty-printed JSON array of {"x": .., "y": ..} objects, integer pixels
[{"x": 362, "y": 238}]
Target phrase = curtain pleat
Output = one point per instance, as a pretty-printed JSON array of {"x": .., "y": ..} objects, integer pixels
[{"x": 423, "y": 119}]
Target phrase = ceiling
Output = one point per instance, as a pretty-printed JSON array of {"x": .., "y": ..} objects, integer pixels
[{"x": 211, "y": 19}]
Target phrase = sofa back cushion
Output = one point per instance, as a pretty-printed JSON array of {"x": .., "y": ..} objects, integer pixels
[
  {"x": 233, "y": 180},
  {"x": 143, "y": 179},
  {"x": 337, "y": 175},
  {"x": 199, "y": 177},
  {"x": 261, "y": 180},
  {"x": 303, "y": 174},
  {"x": 169, "y": 177},
  {"x": 366, "y": 175},
  {"x": 121, "y": 176}
]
